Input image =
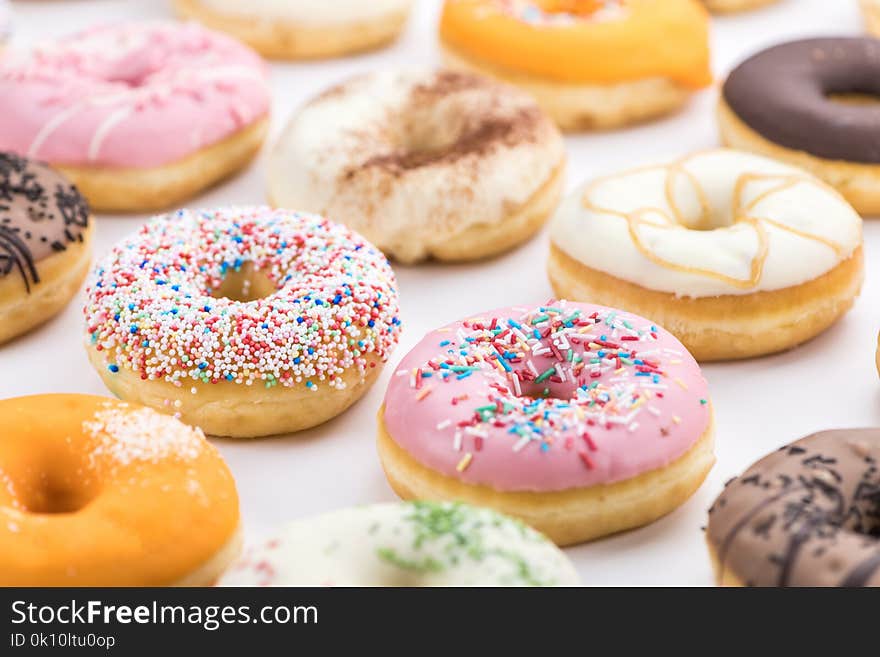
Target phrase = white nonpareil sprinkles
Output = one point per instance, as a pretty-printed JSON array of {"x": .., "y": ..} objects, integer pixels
[{"x": 151, "y": 310}]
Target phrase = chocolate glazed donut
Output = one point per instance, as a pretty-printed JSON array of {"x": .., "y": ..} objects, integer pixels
[
  {"x": 41, "y": 213},
  {"x": 783, "y": 93},
  {"x": 806, "y": 515}
]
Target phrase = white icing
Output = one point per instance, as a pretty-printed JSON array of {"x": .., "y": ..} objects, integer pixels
[
  {"x": 314, "y": 12},
  {"x": 404, "y": 213},
  {"x": 809, "y": 229},
  {"x": 408, "y": 544}
]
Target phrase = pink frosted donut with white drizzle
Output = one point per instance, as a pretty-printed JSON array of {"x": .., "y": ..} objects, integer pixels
[
  {"x": 136, "y": 98},
  {"x": 580, "y": 419}
]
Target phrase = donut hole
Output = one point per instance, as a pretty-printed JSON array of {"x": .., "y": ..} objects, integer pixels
[
  {"x": 530, "y": 390},
  {"x": 425, "y": 140},
  {"x": 244, "y": 284},
  {"x": 705, "y": 204},
  {"x": 715, "y": 220},
  {"x": 570, "y": 7},
  {"x": 57, "y": 489},
  {"x": 858, "y": 99},
  {"x": 446, "y": 129}
]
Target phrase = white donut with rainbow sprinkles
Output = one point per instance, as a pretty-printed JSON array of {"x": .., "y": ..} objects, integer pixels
[
  {"x": 245, "y": 322},
  {"x": 580, "y": 420}
]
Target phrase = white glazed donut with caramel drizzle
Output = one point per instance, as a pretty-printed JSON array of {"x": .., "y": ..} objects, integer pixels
[{"x": 705, "y": 230}]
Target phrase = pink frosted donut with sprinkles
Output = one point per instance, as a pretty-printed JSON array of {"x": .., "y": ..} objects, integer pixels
[
  {"x": 245, "y": 322},
  {"x": 140, "y": 115},
  {"x": 579, "y": 419}
]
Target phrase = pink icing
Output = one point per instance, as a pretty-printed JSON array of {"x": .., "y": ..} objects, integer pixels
[
  {"x": 602, "y": 422},
  {"x": 132, "y": 95}
]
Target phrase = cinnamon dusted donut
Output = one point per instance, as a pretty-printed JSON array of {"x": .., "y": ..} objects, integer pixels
[
  {"x": 589, "y": 63},
  {"x": 245, "y": 321},
  {"x": 295, "y": 29},
  {"x": 804, "y": 103},
  {"x": 805, "y": 515},
  {"x": 45, "y": 243},
  {"x": 437, "y": 164},
  {"x": 735, "y": 254},
  {"x": 96, "y": 492},
  {"x": 406, "y": 544},
  {"x": 578, "y": 419},
  {"x": 139, "y": 115}
]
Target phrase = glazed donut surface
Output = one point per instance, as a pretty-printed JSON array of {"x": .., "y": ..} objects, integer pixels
[
  {"x": 786, "y": 94},
  {"x": 547, "y": 398},
  {"x": 134, "y": 95},
  {"x": 422, "y": 164},
  {"x": 805, "y": 515},
  {"x": 96, "y": 492},
  {"x": 715, "y": 223},
  {"x": 406, "y": 544},
  {"x": 598, "y": 41},
  {"x": 246, "y": 321}
]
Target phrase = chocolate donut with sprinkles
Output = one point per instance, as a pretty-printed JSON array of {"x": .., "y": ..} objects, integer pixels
[
  {"x": 578, "y": 419},
  {"x": 45, "y": 243},
  {"x": 243, "y": 321},
  {"x": 805, "y": 515}
]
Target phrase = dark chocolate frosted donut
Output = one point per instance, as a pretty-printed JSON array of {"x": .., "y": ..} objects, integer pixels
[
  {"x": 783, "y": 94},
  {"x": 806, "y": 515},
  {"x": 41, "y": 213}
]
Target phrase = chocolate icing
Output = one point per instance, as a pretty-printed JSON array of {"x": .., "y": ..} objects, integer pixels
[
  {"x": 41, "y": 213},
  {"x": 806, "y": 515},
  {"x": 782, "y": 93}
]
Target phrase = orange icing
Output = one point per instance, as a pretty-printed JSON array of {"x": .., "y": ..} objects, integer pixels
[
  {"x": 650, "y": 38},
  {"x": 95, "y": 492}
]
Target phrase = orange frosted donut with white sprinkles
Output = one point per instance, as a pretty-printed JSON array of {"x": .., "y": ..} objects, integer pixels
[
  {"x": 589, "y": 63},
  {"x": 244, "y": 321},
  {"x": 96, "y": 492}
]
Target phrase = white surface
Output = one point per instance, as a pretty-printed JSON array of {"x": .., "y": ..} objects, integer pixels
[{"x": 760, "y": 404}]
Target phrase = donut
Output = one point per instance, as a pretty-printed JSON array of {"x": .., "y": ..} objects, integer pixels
[
  {"x": 804, "y": 103},
  {"x": 735, "y": 254},
  {"x": 731, "y": 6},
  {"x": 245, "y": 322},
  {"x": 96, "y": 492},
  {"x": 424, "y": 164},
  {"x": 296, "y": 29},
  {"x": 45, "y": 243},
  {"x": 806, "y": 515},
  {"x": 589, "y": 63},
  {"x": 578, "y": 419},
  {"x": 871, "y": 14},
  {"x": 877, "y": 355},
  {"x": 405, "y": 544},
  {"x": 140, "y": 116}
]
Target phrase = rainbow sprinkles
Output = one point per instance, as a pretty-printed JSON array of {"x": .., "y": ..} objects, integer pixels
[
  {"x": 550, "y": 386},
  {"x": 154, "y": 307}
]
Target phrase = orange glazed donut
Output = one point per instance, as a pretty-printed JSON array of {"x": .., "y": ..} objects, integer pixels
[
  {"x": 589, "y": 63},
  {"x": 96, "y": 492}
]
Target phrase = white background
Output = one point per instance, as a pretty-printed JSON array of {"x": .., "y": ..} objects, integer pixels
[{"x": 760, "y": 404}]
